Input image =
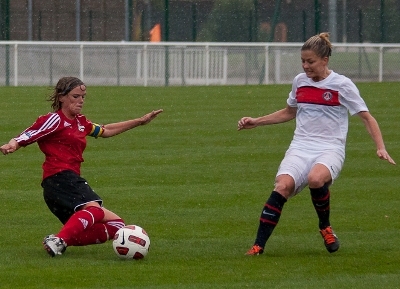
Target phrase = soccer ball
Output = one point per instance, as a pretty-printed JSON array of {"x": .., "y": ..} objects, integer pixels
[{"x": 131, "y": 242}]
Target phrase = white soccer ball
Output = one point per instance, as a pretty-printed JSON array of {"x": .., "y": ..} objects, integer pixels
[{"x": 131, "y": 242}]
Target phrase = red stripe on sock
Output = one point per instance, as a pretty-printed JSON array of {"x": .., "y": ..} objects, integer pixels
[
  {"x": 273, "y": 208},
  {"x": 268, "y": 221}
]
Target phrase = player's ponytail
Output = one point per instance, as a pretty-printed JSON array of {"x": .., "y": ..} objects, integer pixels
[{"x": 320, "y": 44}]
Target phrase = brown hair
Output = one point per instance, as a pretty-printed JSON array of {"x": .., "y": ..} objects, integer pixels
[
  {"x": 320, "y": 44},
  {"x": 63, "y": 87}
]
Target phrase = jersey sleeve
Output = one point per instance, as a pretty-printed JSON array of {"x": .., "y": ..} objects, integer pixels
[
  {"x": 43, "y": 126},
  {"x": 292, "y": 101},
  {"x": 350, "y": 97}
]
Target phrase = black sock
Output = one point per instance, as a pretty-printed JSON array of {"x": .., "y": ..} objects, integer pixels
[
  {"x": 320, "y": 199},
  {"x": 269, "y": 217}
]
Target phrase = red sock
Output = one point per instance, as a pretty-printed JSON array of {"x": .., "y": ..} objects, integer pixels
[
  {"x": 97, "y": 234},
  {"x": 79, "y": 222},
  {"x": 113, "y": 226}
]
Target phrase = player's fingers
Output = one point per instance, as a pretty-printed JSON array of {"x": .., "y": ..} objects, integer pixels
[
  {"x": 241, "y": 122},
  {"x": 244, "y": 123},
  {"x": 386, "y": 156},
  {"x": 154, "y": 113},
  {"x": 4, "y": 149},
  {"x": 390, "y": 160}
]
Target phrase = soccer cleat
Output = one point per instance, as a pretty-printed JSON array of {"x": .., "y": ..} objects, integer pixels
[
  {"x": 330, "y": 240},
  {"x": 54, "y": 245},
  {"x": 255, "y": 250}
]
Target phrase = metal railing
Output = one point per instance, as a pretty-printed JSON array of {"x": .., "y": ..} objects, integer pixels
[{"x": 179, "y": 63}]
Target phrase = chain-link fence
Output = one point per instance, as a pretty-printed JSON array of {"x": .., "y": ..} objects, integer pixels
[
  {"x": 370, "y": 21},
  {"x": 159, "y": 64}
]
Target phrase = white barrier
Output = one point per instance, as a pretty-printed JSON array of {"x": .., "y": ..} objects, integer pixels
[{"x": 178, "y": 63}]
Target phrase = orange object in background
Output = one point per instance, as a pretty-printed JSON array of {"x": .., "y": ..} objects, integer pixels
[{"x": 155, "y": 33}]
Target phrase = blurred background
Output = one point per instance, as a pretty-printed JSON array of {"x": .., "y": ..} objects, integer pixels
[
  {"x": 359, "y": 21},
  {"x": 192, "y": 42}
]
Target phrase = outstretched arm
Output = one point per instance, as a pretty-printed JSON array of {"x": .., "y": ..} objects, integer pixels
[
  {"x": 113, "y": 129},
  {"x": 9, "y": 147},
  {"x": 283, "y": 115},
  {"x": 374, "y": 131}
]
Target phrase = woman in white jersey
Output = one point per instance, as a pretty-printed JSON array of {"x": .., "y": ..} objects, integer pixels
[{"x": 320, "y": 101}]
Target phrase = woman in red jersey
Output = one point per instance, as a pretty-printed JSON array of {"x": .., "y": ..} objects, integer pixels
[
  {"x": 320, "y": 101},
  {"x": 61, "y": 136}
]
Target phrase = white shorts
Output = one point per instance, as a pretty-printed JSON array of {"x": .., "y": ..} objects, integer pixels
[{"x": 297, "y": 163}]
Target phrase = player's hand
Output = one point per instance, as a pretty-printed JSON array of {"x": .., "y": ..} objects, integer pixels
[
  {"x": 7, "y": 149},
  {"x": 246, "y": 123},
  {"x": 150, "y": 116},
  {"x": 383, "y": 155}
]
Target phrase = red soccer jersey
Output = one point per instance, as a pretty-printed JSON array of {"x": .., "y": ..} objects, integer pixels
[{"x": 61, "y": 140}]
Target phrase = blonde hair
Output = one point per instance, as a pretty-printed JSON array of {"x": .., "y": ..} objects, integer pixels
[
  {"x": 63, "y": 87},
  {"x": 320, "y": 44}
]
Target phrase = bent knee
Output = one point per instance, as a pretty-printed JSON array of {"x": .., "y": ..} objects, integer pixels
[
  {"x": 319, "y": 176},
  {"x": 317, "y": 181},
  {"x": 284, "y": 185}
]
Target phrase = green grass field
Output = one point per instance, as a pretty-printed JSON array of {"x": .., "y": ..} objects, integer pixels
[{"x": 197, "y": 186}]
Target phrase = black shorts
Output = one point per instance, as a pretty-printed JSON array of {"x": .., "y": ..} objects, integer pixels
[{"x": 65, "y": 192}]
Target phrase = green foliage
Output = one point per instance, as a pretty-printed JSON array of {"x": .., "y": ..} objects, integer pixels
[
  {"x": 372, "y": 23},
  {"x": 392, "y": 21},
  {"x": 229, "y": 21},
  {"x": 197, "y": 186}
]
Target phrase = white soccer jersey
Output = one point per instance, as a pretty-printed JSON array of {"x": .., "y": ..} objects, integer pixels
[{"x": 322, "y": 111}]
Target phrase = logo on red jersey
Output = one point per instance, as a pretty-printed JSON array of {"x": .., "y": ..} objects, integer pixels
[
  {"x": 327, "y": 95},
  {"x": 81, "y": 128}
]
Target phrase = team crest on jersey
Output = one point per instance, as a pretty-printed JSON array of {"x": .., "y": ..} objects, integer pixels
[
  {"x": 81, "y": 128},
  {"x": 327, "y": 95}
]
